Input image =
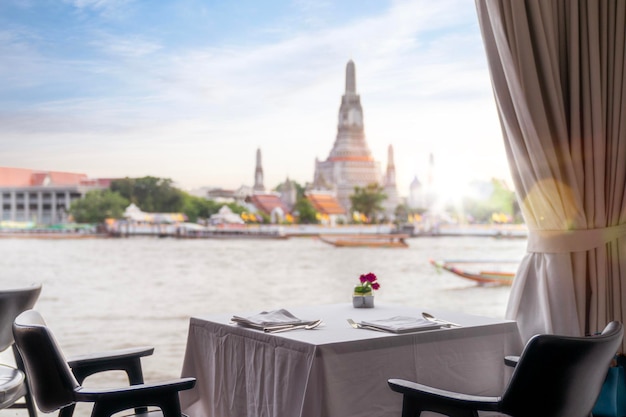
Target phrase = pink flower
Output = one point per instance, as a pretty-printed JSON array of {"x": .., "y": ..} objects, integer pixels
[
  {"x": 368, "y": 283},
  {"x": 369, "y": 277}
]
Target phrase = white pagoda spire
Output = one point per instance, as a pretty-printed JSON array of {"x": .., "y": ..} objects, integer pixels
[
  {"x": 390, "y": 178},
  {"x": 392, "y": 200}
]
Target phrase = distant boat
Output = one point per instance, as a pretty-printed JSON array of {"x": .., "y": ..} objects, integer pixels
[
  {"x": 484, "y": 272},
  {"x": 367, "y": 240}
]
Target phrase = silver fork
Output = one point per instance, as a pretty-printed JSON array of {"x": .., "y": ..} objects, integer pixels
[{"x": 363, "y": 326}]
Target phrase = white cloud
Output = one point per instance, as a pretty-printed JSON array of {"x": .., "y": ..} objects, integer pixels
[{"x": 198, "y": 115}]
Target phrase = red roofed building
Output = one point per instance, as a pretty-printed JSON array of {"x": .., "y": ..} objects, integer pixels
[
  {"x": 328, "y": 206},
  {"x": 269, "y": 204},
  {"x": 42, "y": 197}
]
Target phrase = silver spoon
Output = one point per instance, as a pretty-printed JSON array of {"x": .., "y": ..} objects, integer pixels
[
  {"x": 302, "y": 326},
  {"x": 432, "y": 318}
]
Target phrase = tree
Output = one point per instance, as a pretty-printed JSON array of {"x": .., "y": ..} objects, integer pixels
[
  {"x": 200, "y": 208},
  {"x": 98, "y": 205},
  {"x": 235, "y": 208},
  {"x": 197, "y": 207},
  {"x": 368, "y": 200},
  {"x": 306, "y": 212},
  {"x": 151, "y": 194},
  {"x": 500, "y": 200},
  {"x": 302, "y": 209}
]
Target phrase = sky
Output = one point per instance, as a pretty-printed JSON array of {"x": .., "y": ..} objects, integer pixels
[{"x": 190, "y": 89}]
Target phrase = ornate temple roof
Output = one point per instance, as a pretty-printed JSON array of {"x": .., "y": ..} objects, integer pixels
[
  {"x": 266, "y": 203},
  {"x": 325, "y": 204}
]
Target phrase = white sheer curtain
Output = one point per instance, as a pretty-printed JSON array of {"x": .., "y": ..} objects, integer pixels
[{"x": 558, "y": 73}]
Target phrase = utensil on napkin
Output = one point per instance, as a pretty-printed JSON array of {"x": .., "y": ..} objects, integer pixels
[
  {"x": 434, "y": 319},
  {"x": 400, "y": 324},
  {"x": 361, "y": 326},
  {"x": 271, "y": 320},
  {"x": 311, "y": 326}
]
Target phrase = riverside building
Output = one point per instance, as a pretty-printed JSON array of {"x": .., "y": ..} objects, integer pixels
[
  {"x": 42, "y": 197},
  {"x": 350, "y": 163}
]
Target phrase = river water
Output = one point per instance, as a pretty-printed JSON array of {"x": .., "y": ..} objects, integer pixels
[{"x": 101, "y": 294}]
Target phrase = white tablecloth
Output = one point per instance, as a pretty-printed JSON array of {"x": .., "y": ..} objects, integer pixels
[{"x": 335, "y": 370}]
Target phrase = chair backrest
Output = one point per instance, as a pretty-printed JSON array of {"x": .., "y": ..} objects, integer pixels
[
  {"x": 12, "y": 303},
  {"x": 560, "y": 376},
  {"x": 50, "y": 378}
]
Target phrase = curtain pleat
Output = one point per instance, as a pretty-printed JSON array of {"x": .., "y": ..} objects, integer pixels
[{"x": 558, "y": 71}]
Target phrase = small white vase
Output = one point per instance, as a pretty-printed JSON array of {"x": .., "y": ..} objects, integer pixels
[{"x": 363, "y": 301}]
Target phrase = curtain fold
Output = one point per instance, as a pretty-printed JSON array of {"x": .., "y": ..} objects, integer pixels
[{"x": 558, "y": 74}]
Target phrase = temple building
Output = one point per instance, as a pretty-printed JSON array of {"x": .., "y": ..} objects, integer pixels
[
  {"x": 422, "y": 195},
  {"x": 276, "y": 205},
  {"x": 417, "y": 199},
  {"x": 328, "y": 208},
  {"x": 350, "y": 162},
  {"x": 390, "y": 188}
]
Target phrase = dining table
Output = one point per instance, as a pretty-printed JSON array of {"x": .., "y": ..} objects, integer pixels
[{"x": 336, "y": 370}]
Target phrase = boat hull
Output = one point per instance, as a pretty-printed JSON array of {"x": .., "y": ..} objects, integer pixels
[
  {"x": 369, "y": 241},
  {"x": 482, "y": 277}
]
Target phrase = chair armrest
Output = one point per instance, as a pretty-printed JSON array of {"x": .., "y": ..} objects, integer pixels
[
  {"x": 112, "y": 400},
  {"x": 127, "y": 360},
  {"x": 511, "y": 361},
  {"x": 427, "y": 398},
  {"x": 96, "y": 394},
  {"x": 110, "y": 355}
]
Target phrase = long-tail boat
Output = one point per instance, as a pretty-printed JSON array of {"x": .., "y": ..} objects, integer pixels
[
  {"x": 499, "y": 272},
  {"x": 393, "y": 240}
]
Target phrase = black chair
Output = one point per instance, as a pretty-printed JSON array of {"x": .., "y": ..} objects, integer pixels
[
  {"x": 12, "y": 303},
  {"x": 127, "y": 360},
  {"x": 15, "y": 301},
  {"x": 556, "y": 376},
  {"x": 54, "y": 386}
]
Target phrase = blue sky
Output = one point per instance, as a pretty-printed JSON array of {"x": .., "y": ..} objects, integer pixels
[{"x": 189, "y": 89}]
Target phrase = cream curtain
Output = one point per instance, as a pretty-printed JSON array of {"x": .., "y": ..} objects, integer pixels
[{"x": 558, "y": 73}]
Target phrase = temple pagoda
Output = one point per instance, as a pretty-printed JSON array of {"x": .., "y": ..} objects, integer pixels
[{"x": 350, "y": 162}]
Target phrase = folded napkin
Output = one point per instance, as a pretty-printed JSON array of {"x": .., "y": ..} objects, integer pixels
[
  {"x": 267, "y": 320},
  {"x": 403, "y": 324}
]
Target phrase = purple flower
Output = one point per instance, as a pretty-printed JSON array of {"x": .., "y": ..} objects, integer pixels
[
  {"x": 362, "y": 278},
  {"x": 375, "y": 285}
]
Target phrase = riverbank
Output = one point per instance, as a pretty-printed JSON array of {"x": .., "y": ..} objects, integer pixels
[
  {"x": 196, "y": 231},
  {"x": 191, "y": 230},
  {"x": 519, "y": 231}
]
